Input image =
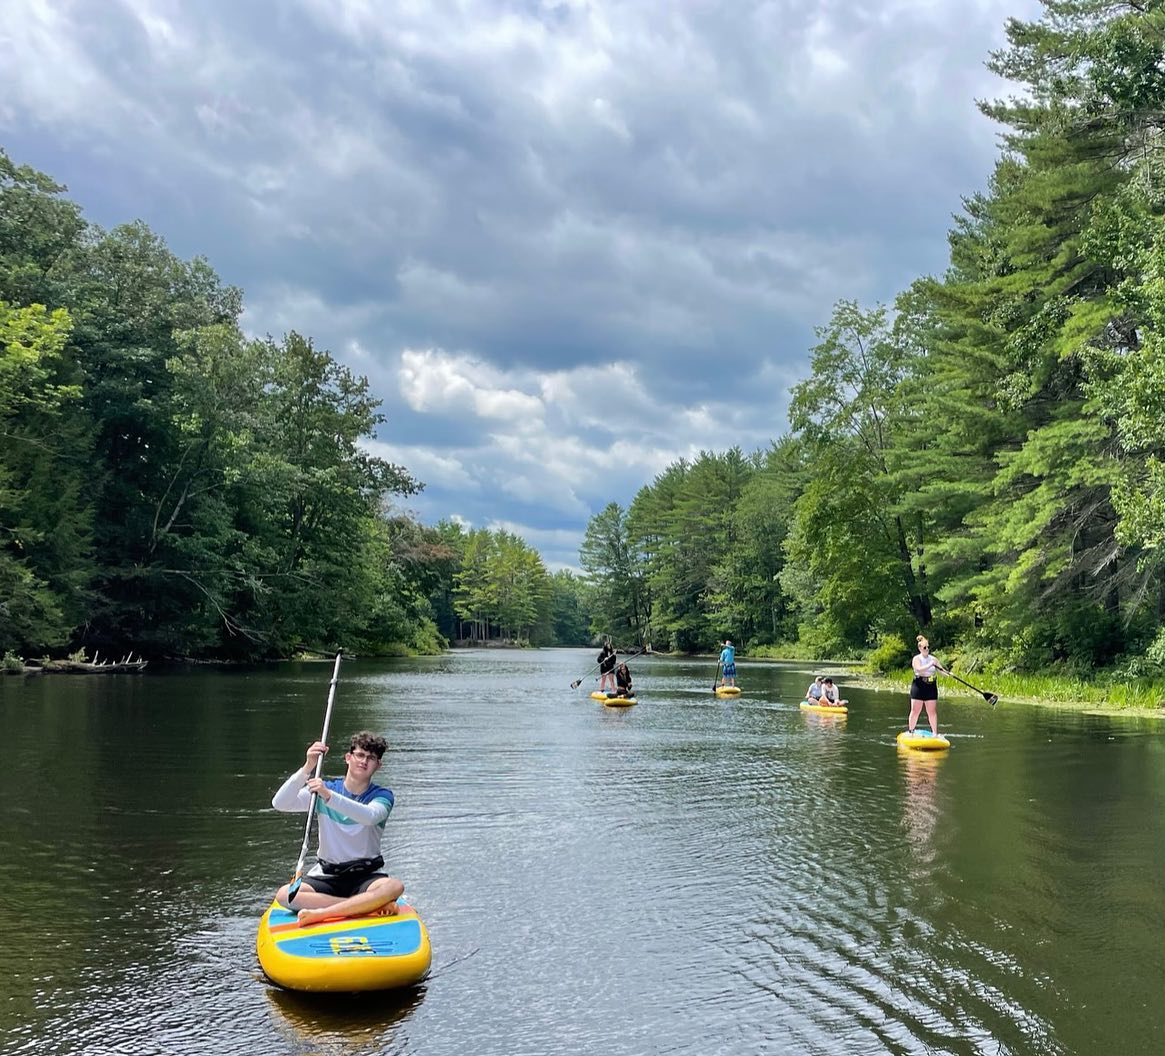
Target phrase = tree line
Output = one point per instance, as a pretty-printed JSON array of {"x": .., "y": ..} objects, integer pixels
[
  {"x": 172, "y": 486},
  {"x": 984, "y": 460}
]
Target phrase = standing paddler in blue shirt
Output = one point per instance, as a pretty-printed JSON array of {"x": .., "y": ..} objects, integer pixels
[
  {"x": 728, "y": 662},
  {"x": 348, "y": 879}
]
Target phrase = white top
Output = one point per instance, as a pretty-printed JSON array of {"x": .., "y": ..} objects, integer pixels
[{"x": 924, "y": 665}]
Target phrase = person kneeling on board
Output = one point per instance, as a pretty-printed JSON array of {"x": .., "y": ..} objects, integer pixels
[
  {"x": 347, "y": 879},
  {"x": 623, "y": 682},
  {"x": 830, "y": 694}
]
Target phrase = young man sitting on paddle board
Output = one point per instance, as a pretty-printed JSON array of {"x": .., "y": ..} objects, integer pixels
[
  {"x": 830, "y": 694},
  {"x": 347, "y": 880},
  {"x": 728, "y": 660}
]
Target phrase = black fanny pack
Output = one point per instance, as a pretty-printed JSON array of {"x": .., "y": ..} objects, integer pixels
[
  {"x": 924, "y": 678},
  {"x": 352, "y": 868}
]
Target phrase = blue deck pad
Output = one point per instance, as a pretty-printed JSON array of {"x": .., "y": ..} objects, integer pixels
[{"x": 388, "y": 937}]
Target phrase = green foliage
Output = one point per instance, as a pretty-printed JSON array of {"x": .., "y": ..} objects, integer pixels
[
  {"x": 44, "y": 515},
  {"x": 891, "y": 654},
  {"x": 569, "y": 609},
  {"x": 168, "y": 484},
  {"x": 501, "y": 589},
  {"x": 617, "y": 573}
]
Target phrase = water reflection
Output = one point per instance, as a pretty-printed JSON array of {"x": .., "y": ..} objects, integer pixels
[
  {"x": 920, "y": 808},
  {"x": 824, "y": 719},
  {"x": 340, "y": 1024}
]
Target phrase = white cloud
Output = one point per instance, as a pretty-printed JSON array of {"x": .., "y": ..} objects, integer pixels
[
  {"x": 432, "y": 381},
  {"x": 431, "y": 468}
]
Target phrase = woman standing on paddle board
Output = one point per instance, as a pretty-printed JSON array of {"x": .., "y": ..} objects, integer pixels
[
  {"x": 924, "y": 688},
  {"x": 607, "y": 660}
]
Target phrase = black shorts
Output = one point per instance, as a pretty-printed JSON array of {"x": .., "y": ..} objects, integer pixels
[
  {"x": 341, "y": 886},
  {"x": 924, "y": 689}
]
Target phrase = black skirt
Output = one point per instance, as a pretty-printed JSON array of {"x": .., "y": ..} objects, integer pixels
[{"x": 924, "y": 689}]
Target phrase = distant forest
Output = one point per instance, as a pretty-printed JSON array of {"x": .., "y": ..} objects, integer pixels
[{"x": 173, "y": 487}]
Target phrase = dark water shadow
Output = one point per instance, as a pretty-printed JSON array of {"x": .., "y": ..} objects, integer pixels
[{"x": 341, "y": 1024}]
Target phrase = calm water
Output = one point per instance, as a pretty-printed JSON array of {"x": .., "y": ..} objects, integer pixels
[{"x": 686, "y": 876}]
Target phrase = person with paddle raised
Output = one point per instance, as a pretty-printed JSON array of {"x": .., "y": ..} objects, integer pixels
[
  {"x": 348, "y": 878},
  {"x": 924, "y": 687}
]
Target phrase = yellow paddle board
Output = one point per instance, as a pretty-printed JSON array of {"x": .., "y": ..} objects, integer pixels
[
  {"x": 923, "y": 741},
  {"x": 343, "y": 954},
  {"x": 824, "y": 709}
]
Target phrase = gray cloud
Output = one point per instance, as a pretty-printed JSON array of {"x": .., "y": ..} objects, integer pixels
[{"x": 567, "y": 241}]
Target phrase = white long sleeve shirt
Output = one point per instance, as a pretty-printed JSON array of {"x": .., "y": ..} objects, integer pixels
[{"x": 350, "y": 826}]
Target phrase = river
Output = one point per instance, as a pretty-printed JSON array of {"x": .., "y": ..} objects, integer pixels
[{"x": 689, "y": 875}]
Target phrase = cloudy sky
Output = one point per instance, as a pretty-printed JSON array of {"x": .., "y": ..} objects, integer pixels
[{"x": 569, "y": 241}]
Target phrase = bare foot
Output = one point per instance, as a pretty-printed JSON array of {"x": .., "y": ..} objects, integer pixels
[
  {"x": 313, "y": 916},
  {"x": 390, "y": 909}
]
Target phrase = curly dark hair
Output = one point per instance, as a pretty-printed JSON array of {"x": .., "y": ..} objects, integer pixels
[{"x": 370, "y": 742}]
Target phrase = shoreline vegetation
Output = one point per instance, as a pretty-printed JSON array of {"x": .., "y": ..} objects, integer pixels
[
  {"x": 1041, "y": 689},
  {"x": 1146, "y": 699}
]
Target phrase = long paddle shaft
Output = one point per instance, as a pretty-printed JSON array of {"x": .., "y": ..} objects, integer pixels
[
  {"x": 297, "y": 879},
  {"x": 578, "y": 681},
  {"x": 991, "y": 698},
  {"x": 717, "y": 678}
]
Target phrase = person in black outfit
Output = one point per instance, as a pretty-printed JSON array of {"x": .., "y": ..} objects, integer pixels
[{"x": 607, "y": 660}]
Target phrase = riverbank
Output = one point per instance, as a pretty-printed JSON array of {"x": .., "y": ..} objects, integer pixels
[{"x": 1142, "y": 697}]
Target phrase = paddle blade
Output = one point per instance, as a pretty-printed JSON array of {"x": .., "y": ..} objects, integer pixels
[
  {"x": 991, "y": 698},
  {"x": 576, "y": 683}
]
